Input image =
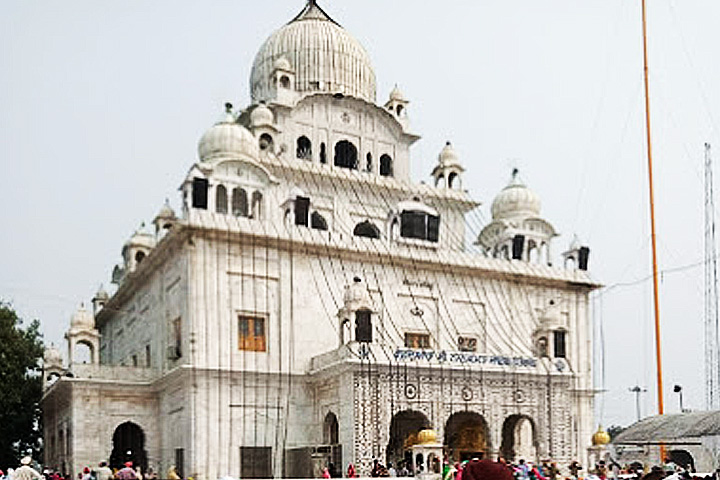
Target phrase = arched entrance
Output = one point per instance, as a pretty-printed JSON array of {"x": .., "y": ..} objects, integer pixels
[
  {"x": 128, "y": 445},
  {"x": 331, "y": 437},
  {"x": 466, "y": 436},
  {"x": 519, "y": 438},
  {"x": 404, "y": 428},
  {"x": 683, "y": 458}
]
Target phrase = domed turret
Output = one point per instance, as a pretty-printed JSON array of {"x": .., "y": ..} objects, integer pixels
[
  {"x": 52, "y": 358},
  {"x": 325, "y": 58},
  {"x": 447, "y": 173},
  {"x": 262, "y": 116},
  {"x": 515, "y": 200},
  {"x": 397, "y": 95},
  {"x": 227, "y": 138},
  {"x": 99, "y": 300},
  {"x": 357, "y": 295},
  {"x": 82, "y": 320},
  {"x": 517, "y": 231},
  {"x": 164, "y": 220}
]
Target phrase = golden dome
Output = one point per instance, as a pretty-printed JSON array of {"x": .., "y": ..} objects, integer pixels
[
  {"x": 600, "y": 438},
  {"x": 427, "y": 436}
]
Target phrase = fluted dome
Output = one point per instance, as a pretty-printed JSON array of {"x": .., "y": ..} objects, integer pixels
[
  {"x": 515, "y": 200},
  {"x": 227, "y": 138},
  {"x": 324, "y": 56},
  {"x": 82, "y": 320},
  {"x": 52, "y": 357}
]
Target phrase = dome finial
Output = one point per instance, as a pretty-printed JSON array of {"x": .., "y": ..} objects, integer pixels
[{"x": 515, "y": 172}]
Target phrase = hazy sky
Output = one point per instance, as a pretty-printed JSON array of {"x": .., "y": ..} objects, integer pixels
[{"x": 102, "y": 104}]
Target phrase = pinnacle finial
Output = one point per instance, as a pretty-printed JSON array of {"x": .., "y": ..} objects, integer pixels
[{"x": 515, "y": 172}]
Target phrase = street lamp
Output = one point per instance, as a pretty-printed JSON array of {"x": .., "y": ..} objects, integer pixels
[
  {"x": 678, "y": 389},
  {"x": 637, "y": 390}
]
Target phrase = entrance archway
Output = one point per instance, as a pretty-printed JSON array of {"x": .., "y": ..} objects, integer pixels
[
  {"x": 404, "y": 428},
  {"x": 519, "y": 438},
  {"x": 683, "y": 458},
  {"x": 466, "y": 436},
  {"x": 128, "y": 445}
]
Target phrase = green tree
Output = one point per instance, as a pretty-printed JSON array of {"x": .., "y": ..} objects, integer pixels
[{"x": 21, "y": 350}]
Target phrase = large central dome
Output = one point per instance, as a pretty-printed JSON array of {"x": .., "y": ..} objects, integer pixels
[{"x": 324, "y": 56}]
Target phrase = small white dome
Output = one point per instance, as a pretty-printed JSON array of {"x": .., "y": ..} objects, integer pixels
[
  {"x": 448, "y": 156},
  {"x": 166, "y": 212},
  {"x": 82, "y": 320},
  {"x": 357, "y": 296},
  {"x": 262, "y": 116},
  {"x": 283, "y": 63},
  {"x": 515, "y": 200},
  {"x": 227, "y": 139},
  {"x": 102, "y": 294},
  {"x": 141, "y": 238},
  {"x": 52, "y": 357},
  {"x": 397, "y": 95}
]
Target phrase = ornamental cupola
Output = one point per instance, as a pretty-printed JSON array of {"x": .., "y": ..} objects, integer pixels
[
  {"x": 52, "y": 365},
  {"x": 164, "y": 220},
  {"x": 397, "y": 105},
  {"x": 448, "y": 171},
  {"x": 83, "y": 332},
  {"x": 356, "y": 315},
  {"x": 517, "y": 231}
]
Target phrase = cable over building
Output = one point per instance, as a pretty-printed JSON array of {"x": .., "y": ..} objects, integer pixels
[{"x": 309, "y": 306}]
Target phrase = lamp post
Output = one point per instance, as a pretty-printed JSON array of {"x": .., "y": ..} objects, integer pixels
[
  {"x": 637, "y": 390},
  {"x": 678, "y": 389}
]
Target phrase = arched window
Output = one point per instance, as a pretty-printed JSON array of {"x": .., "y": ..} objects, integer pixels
[
  {"x": 451, "y": 179},
  {"x": 139, "y": 257},
  {"x": 363, "y": 326},
  {"x": 399, "y": 110},
  {"x": 440, "y": 181},
  {"x": 323, "y": 153},
  {"x": 239, "y": 202},
  {"x": 266, "y": 142},
  {"x": 256, "y": 211},
  {"x": 318, "y": 222},
  {"x": 368, "y": 163},
  {"x": 221, "y": 204},
  {"x": 386, "y": 166},
  {"x": 346, "y": 155},
  {"x": 366, "y": 229},
  {"x": 304, "y": 148},
  {"x": 285, "y": 81},
  {"x": 420, "y": 225}
]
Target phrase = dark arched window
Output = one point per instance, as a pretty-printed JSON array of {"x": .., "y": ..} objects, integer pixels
[
  {"x": 451, "y": 179},
  {"x": 239, "y": 202},
  {"x": 318, "y": 222},
  {"x": 323, "y": 154},
  {"x": 221, "y": 204},
  {"x": 366, "y": 229},
  {"x": 266, "y": 142},
  {"x": 363, "y": 326},
  {"x": 346, "y": 155},
  {"x": 368, "y": 164},
  {"x": 285, "y": 81},
  {"x": 139, "y": 257},
  {"x": 386, "y": 166},
  {"x": 304, "y": 148},
  {"x": 420, "y": 225}
]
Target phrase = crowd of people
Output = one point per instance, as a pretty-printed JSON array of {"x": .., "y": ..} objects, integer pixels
[{"x": 101, "y": 472}]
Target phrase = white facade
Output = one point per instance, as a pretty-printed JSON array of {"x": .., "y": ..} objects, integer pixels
[{"x": 313, "y": 305}]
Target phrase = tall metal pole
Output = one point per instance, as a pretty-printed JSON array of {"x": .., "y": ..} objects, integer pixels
[
  {"x": 661, "y": 409},
  {"x": 712, "y": 367}
]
